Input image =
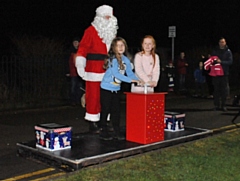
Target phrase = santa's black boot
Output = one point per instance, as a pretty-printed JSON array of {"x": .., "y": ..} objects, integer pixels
[{"x": 94, "y": 128}]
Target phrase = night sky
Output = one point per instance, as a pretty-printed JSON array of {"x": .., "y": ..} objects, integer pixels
[{"x": 198, "y": 23}]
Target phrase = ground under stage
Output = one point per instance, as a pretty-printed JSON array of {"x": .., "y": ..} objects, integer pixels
[{"x": 88, "y": 149}]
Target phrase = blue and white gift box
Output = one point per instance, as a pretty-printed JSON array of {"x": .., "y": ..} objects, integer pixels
[
  {"x": 174, "y": 121},
  {"x": 52, "y": 136}
]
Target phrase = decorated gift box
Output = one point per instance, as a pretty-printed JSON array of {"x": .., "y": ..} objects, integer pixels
[
  {"x": 52, "y": 136},
  {"x": 174, "y": 121}
]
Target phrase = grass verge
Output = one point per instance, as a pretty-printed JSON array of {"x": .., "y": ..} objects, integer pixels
[{"x": 216, "y": 158}]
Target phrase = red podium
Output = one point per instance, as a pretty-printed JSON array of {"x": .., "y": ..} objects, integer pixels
[{"x": 145, "y": 117}]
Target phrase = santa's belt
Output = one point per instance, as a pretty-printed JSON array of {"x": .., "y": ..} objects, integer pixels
[{"x": 96, "y": 56}]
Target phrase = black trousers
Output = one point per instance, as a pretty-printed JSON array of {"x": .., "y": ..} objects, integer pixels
[
  {"x": 110, "y": 104},
  {"x": 220, "y": 90},
  {"x": 209, "y": 84}
]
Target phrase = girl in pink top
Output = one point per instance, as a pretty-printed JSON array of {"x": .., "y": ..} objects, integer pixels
[{"x": 147, "y": 65}]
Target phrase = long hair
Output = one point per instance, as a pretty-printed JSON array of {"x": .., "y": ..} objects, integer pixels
[
  {"x": 114, "y": 54},
  {"x": 153, "y": 51}
]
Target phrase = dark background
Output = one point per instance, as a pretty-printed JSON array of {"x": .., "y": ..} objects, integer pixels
[{"x": 198, "y": 23}]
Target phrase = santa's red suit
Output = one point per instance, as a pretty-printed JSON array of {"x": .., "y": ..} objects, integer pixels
[
  {"x": 91, "y": 54},
  {"x": 94, "y": 51}
]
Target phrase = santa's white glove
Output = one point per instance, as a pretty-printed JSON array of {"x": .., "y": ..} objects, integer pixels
[{"x": 80, "y": 64}]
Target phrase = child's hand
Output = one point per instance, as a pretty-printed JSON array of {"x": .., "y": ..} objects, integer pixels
[
  {"x": 141, "y": 83},
  {"x": 136, "y": 81},
  {"x": 152, "y": 83}
]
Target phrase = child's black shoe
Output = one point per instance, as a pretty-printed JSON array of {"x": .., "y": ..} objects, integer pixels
[
  {"x": 105, "y": 136},
  {"x": 119, "y": 136}
]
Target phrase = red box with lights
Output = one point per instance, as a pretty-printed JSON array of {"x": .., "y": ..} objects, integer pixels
[
  {"x": 145, "y": 117},
  {"x": 52, "y": 136}
]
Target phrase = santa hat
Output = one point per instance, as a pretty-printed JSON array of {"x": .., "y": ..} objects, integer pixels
[{"x": 104, "y": 10}]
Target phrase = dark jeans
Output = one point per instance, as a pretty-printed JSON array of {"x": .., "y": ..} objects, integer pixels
[
  {"x": 75, "y": 92},
  {"x": 182, "y": 78},
  {"x": 220, "y": 90},
  {"x": 110, "y": 103},
  {"x": 209, "y": 84},
  {"x": 199, "y": 88}
]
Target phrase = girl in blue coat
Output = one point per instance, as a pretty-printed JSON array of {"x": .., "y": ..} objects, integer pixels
[{"x": 118, "y": 69}]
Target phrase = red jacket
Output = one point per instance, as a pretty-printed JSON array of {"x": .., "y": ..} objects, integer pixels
[
  {"x": 181, "y": 66},
  {"x": 73, "y": 70},
  {"x": 215, "y": 68}
]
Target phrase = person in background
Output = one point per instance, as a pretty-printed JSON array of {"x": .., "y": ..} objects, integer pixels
[
  {"x": 220, "y": 83},
  {"x": 147, "y": 65},
  {"x": 207, "y": 77},
  {"x": 77, "y": 84},
  {"x": 118, "y": 69},
  {"x": 170, "y": 70},
  {"x": 92, "y": 52},
  {"x": 182, "y": 71},
  {"x": 199, "y": 81}
]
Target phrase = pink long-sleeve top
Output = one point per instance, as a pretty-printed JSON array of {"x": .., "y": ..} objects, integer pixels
[{"x": 146, "y": 69}]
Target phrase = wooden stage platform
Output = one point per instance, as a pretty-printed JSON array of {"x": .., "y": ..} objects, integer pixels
[{"x": 88, "y": 149}]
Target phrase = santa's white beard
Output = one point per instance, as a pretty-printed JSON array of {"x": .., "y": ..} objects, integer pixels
[{"x": 106, "y": 28}]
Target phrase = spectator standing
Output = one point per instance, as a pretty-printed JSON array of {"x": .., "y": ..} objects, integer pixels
[
  {"x": 92, "y": 52},
  {"x": 162, "y": 85},
  {"x": 77, "y": 84},
  {"x": 199, "y": 81},
  {"x": 207, "y": 77},
  {"x": 220, "y": 83},
  {"x": 170, "y": 70},
  {"x": 182, "y": 71}
]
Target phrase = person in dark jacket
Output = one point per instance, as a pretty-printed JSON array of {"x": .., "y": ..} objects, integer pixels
[
  {"x": 77, "y": 83},
  {"x": 207, "y": 76},
  {"x": 170, "y": 71},
  {"x": 199, "y": 80},
  {"x": 182, "y": 71},
  {"x": 220, "y": 83}
]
